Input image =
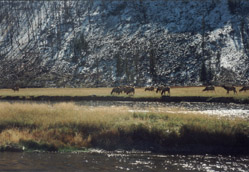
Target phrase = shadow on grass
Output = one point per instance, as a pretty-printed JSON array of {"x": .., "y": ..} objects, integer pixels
[
  {"x": 16, "y": 124},
  {"x": 190, "y": 141}
]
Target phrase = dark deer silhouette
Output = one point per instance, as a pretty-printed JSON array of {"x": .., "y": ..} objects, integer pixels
[
  {"x": 149, "y": 89},
  {"x": 15, "y": 88},
  {"x": 129, "y": 90},
  {"x": 116, "y": 90},
  {"x": 159, "y": 89},
  {"x": 245, "y": 88},
  {"x": 165, "y": 89},
  {"x": 122, "y": 88},
  {"x": 230, "y": 88},
  {"x": 209, "y": 88}
]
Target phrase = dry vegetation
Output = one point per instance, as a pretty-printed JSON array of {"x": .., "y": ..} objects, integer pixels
[{"x": 65, "y": 125}]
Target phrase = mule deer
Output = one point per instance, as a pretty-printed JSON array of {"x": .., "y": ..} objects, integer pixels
[
  {"x": 230, "y": 88},
  {"x": 159, "y": 89},
  {"x": 149, "y": 89},
  {"x": 116, "y": 90},
  {"x": 165, "y": 89},
  {"x": 16, "y": 88},
  {"x": 245, "y": 88},
  {"x": 209, "y": 88},
  {"x": 130, "y": 90}
]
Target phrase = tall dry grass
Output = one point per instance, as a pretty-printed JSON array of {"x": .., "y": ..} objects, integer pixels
[
  {"x": 70, "y": 125},
  {"x": 63, "y": 123}
]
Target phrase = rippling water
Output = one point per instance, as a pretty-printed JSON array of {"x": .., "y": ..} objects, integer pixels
[
  {"x": 221, "y": 109},
  {"x": 119, "y": 161}
]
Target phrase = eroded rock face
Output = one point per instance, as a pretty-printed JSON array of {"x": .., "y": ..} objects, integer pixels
[{"x": 112, "y": 42}]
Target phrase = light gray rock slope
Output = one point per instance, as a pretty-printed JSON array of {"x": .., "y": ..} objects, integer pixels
[{"x": 110, "y": 42}]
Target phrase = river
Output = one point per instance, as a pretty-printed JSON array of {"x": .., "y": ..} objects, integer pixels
[
  {"x": 220, "y": 109},
  {"x": 103, "y": 161}
]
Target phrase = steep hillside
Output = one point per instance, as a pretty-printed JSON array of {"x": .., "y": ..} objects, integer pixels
[{"x": 110, "y": 42}]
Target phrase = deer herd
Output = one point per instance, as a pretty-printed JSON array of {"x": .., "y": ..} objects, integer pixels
[
  {"x": 227, "y": 88},
  {"x": 130, "y": 90},
  {"x": 125, "y": 89}
]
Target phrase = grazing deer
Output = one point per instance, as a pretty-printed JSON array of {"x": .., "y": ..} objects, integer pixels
[
  {"x": 149, "y": 89},
  {"x": 165, "y": 89},
  {"x": 129, "y": 90},
  {"x": 122, "y": 88},
  {"x": 209, "y": 88},
  {"x": 245, "y": 88},
  {"x": 159, "y": 89},
  {"x": 116, "y": 90},
  {"x": 16, "y": 88},
  {"x": 230, "y": 88}
]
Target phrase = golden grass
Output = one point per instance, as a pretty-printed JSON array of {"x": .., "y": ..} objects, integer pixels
[
  {"x": 58, "y": 123},
  {"x": 68, "y": 124},
  {"x": 14, "y": 135},
  {"x": 139, "y": 92},
  {"x": 56, "y": 92},
  {"x": 62, "y": 113}
]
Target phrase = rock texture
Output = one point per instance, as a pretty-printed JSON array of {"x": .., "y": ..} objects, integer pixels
[{"x": 89, "y": 43}]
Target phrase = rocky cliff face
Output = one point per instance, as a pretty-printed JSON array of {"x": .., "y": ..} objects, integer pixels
[{"x": 111, "y": 42}]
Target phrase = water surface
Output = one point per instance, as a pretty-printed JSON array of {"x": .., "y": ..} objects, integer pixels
[
  {"x": 119, "y": 161},
  {"x": 220, "y": 109}
]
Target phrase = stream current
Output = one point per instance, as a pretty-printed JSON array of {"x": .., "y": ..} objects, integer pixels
[{"x": 101, "y": 161}]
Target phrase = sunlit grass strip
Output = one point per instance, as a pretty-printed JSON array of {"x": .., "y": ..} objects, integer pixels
[
  {"x": 69, "y": 125},
  {"x": 139, "y": 92}
]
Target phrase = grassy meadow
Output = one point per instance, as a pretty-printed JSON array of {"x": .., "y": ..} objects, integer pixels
[
  {"x": 63, "y": 126},
  {"x": 139, "y": 92}
]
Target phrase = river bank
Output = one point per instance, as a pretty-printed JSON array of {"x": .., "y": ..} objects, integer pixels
[
  {"x": 135, "y": 99},
  {"x": 70, "y": 127},
  {"x": 34, "y": 147}
]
